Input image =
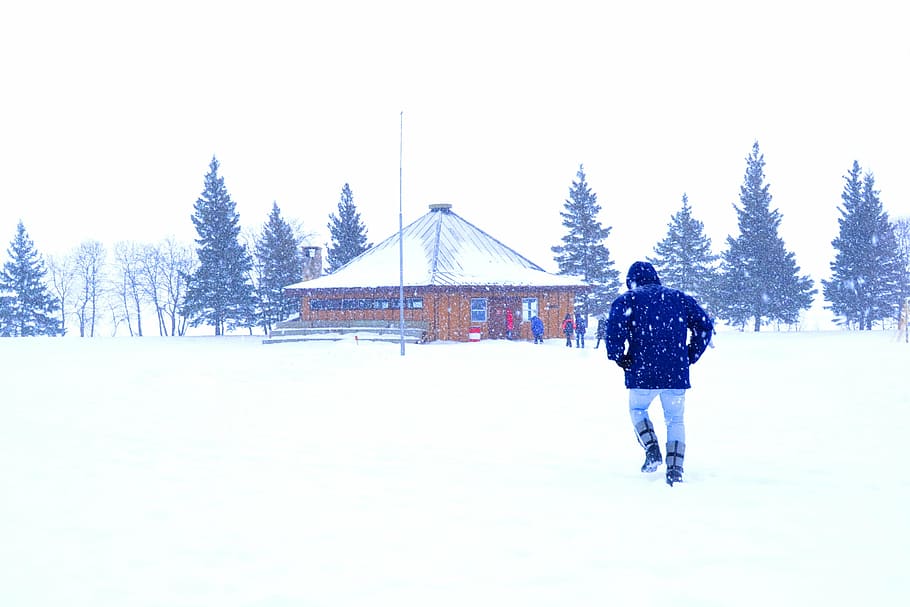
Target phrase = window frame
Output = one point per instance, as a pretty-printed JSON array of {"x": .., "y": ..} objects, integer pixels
[
  {"x": 479, "y": 309},
  {"x": 530, "y": 307}
]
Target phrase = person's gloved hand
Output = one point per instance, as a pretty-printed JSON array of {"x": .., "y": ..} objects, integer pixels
[{"x": 625, "y": 362}]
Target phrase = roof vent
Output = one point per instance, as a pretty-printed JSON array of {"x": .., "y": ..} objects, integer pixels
[{"x": 441, "y": 206}]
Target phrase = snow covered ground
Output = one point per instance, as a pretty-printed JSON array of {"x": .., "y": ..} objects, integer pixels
[{"x": 221, "y": 472}]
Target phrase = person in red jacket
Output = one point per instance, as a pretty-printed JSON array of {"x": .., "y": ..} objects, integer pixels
[
  {"x": 510, "y": 324},
  {"x": 568, "y": 327}
]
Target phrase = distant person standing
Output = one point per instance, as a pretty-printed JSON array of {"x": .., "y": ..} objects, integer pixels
[
  {"x": 581, "y": 327},
  {"x": 510, "y": 324},
  {"x": 601, "y": 330},
  {"x": 568, "y": 327},
  {"x": 537, "y": 329},
  {"x": 655, "y": 333}
]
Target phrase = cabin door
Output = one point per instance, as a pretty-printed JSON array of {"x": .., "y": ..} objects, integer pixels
[{"x": 500, "y": 307}]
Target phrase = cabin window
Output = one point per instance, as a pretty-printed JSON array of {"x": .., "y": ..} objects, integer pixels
[
  {"x": 479, "y": 309},
  {"x": 528, "y": 308},
  {"x": 325, "y": 304}
]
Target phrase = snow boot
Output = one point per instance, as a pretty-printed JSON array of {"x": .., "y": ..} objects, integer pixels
[
  {"x": 648, "y": 439},
  {"x": 676, "y": 451}
]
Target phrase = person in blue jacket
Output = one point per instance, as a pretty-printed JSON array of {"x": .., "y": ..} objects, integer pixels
[
  {"x": 655, "y": 333},
  {"x": 537, "y": 329},
  {"x": 581, "y": 327}
]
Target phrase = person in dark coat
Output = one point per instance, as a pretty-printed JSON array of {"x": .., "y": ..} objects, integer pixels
[
  {"x": 581, "y": 327},
  {"x": 568, "y": 327},
  {"x": 601, "y": 331},
  {"x": 537, "y": 329},
  {"x": 655, "y": 334}
]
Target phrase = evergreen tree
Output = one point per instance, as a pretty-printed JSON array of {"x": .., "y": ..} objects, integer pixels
[
  {"x": 349, "y": 235},
  {"x": 684, "y": 259},
  {"x": 6, "y": 310},
  {"x": 583, "y": 252},
  {"x": 760, "y": 278},
  {"x": 28, "y": 307},
  {"x": 866, "y": 273},
  {"x": 219, "y": 292},
  {"x": 280, "y": 264}
]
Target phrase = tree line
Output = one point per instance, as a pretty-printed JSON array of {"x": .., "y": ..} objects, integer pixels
[
  {"x": 229, "y": 280},
  {"x": 234, "y": 280},
  {"x": 755, "y": 280}
]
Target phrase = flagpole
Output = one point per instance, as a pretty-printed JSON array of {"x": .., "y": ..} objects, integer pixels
[{"x": 400, "y": 241}]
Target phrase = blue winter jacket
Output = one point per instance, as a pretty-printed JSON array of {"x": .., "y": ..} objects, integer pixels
[
  {"x": 536, "y": 326},
  {"x": 654, "y": 333}
]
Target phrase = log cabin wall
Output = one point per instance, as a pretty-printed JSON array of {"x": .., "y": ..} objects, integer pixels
[{"x": 446, "y": 310}]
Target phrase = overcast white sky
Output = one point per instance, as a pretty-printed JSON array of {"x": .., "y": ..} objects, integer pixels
[{"x": 111, "y": 111}]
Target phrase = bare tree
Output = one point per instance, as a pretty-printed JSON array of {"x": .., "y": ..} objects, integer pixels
[
  {"x": 248, "y": 239},
  {"x": 177, "y": 262},
  {"x": 128, "y": 283},
  {"x": 116, "y": 311},
  {"x": 902, "y": 237},
  {"x": 302, "y": 235},
  {"x": 162, "y": 271},
  {"x": 61, "y": 272},
  {"x": 151, "y": 269},
  {"x": 89, "y": 262}
]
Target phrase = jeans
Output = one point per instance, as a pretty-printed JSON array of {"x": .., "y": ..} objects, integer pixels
[{"x": 673, "y": 402}]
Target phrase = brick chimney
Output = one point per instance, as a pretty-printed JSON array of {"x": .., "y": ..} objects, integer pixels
[{"x": 312, "y": 262}]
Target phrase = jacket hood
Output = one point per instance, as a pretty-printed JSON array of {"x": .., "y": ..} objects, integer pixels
[{"x": 640, "y": 274}]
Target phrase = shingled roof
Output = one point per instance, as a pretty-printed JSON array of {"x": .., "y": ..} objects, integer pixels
[{"x": 440, "y": 249}]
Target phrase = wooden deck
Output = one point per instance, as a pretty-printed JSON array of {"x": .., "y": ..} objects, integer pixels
[{"x": 295, "y": 331}]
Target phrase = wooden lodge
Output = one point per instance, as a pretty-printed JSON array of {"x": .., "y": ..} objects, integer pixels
[{"x": 459, "y": 283}]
